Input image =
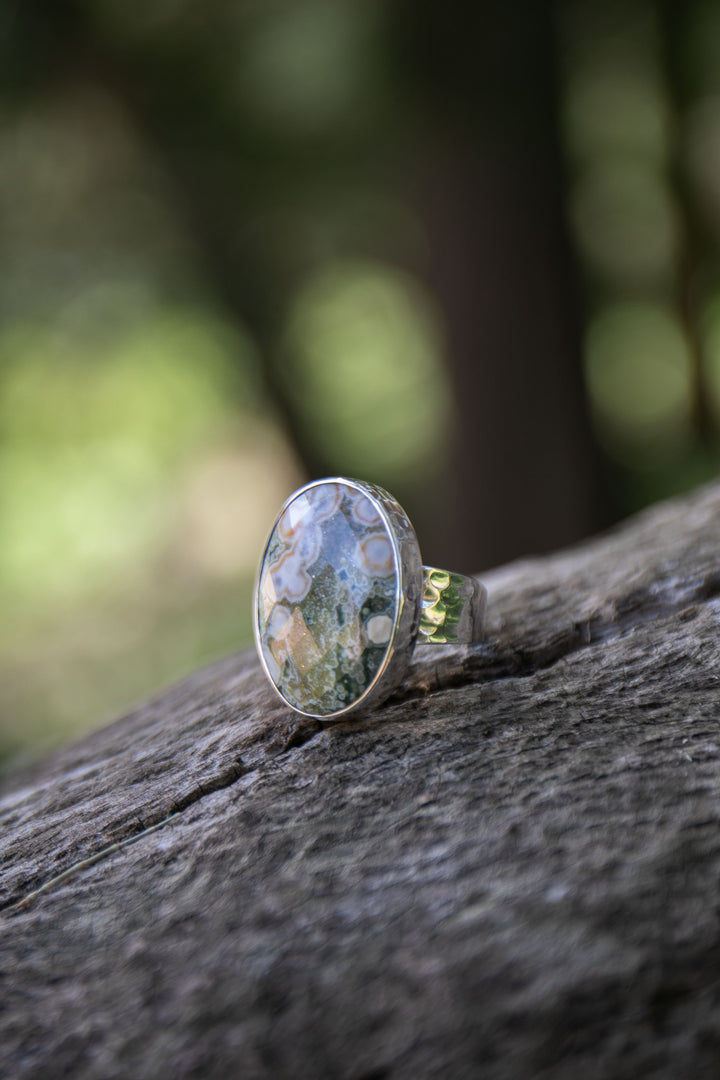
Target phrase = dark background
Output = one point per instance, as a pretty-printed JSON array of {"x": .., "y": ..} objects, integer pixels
[{"x": 466, "y": 251}]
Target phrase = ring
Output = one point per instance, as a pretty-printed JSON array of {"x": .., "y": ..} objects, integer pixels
[{"x": 342, "y": 597}]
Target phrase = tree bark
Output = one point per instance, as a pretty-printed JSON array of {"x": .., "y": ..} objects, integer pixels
[{"x": 510, "y": 870}]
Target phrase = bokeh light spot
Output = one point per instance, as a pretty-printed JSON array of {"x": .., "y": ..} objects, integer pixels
[
  {"x": 626, "y": 222},
  {"x": 306, "y": 67},
  {"x": 639, "y": 381},
  {"x": 365, "y": 347}
]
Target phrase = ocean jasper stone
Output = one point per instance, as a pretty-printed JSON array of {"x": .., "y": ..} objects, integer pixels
[{"x": 330, "y": 594}]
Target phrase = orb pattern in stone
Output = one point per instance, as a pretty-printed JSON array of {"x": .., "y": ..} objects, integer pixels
[{"x": 327, "y": 598}]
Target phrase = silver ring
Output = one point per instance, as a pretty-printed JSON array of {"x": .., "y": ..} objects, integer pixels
[{"x": 342, "y": 598}]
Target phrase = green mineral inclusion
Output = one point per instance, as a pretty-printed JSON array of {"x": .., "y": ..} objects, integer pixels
[{"x": 327, "y": 598}]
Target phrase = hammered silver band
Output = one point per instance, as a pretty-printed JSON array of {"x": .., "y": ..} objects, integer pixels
[{"x": 453, "y": 607}]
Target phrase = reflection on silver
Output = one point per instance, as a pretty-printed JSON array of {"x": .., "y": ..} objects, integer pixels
[{"x": 452, "y": 608}]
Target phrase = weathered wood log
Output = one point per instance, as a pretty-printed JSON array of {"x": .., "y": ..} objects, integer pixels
[{"x": 510, "y": 870}]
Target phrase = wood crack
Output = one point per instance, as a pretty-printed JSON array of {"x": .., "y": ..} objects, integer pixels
[
  {"x": 224, "y": 779},
  {"x": 14, "y": 905},
  {"x": 296, "y": 736}
]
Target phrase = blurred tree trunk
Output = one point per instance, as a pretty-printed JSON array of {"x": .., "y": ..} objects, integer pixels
[{"x": 525, "y": 474}]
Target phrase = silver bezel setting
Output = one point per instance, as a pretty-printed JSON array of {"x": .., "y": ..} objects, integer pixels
[{"x": 408, "y": 597}]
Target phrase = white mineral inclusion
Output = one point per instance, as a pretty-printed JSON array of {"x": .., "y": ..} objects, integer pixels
[
  {"x": 327, "y": 603},
  {"x": 379, "y": 629}
]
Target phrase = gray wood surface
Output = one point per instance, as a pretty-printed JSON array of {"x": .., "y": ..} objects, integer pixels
[{"x": 510, "y": 870}]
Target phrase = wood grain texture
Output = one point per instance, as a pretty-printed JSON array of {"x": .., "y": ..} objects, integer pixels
[{"x": 510, "y": 870}]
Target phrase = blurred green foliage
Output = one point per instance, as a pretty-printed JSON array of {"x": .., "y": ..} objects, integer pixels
[
  {"x": 364, "y": 337},
  {"x": 642, "y": 127},
  {"x": 92, "y": 430},
  {"x": 639, "y": 379}
]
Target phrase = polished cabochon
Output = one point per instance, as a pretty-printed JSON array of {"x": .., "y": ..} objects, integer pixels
[{"x": 338, "y": 597}]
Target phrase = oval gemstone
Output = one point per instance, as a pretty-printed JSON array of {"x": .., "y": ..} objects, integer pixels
[{"x": 327, "y": 597}]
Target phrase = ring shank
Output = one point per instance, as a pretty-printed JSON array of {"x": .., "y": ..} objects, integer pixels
[{"x": 452, "y": 608}]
